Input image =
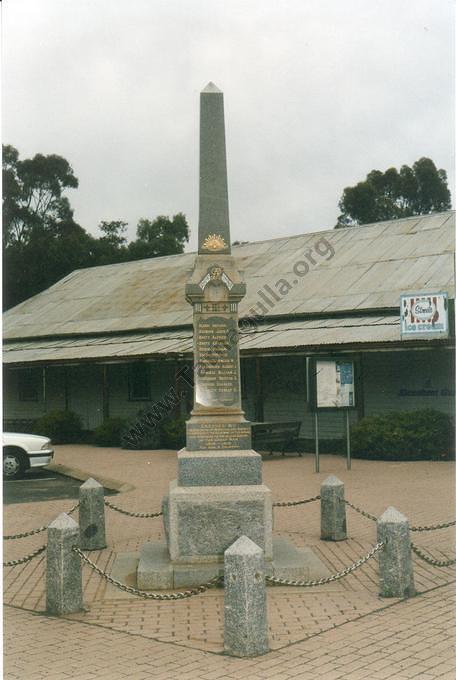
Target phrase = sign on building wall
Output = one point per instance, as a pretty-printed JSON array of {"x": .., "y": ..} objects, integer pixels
[
  {"x": 424, "y": 315},
  {"x": 335, "y": 383}
]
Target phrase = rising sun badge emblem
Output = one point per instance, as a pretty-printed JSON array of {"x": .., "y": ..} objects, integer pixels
[{"x": 214, "y": 242}]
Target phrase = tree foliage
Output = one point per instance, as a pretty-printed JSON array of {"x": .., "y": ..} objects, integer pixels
[
  {"x": 416, "y": 190},
  {"x": 42, "y": 242},
  {"x": 162, "y": 236},
  {"x": 33, "y": 194}
]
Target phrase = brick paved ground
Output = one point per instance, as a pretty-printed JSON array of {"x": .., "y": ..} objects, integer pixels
[{"x": 342, "y": 630}]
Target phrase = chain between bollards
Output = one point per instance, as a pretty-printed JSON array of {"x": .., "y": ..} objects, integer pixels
[
  {"x": 144, "y": 594},
  {"x": 328, "y": 579},
  {"x": 432, "y": 527},
  {"x": 38, "y": 530},
  {"x": 288, "y": 504},
  {"x": 432, "y": 560},
  {"x": 27, "y": 558},
  {"x": 141, "y": 515},
  {"x": 364, "y": 513}
]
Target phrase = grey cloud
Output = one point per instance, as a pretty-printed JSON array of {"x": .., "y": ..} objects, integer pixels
[{"x": 316, "y": 95}]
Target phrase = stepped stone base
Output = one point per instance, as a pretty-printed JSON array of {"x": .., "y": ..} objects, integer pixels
[{"x": 156, "y": 571}]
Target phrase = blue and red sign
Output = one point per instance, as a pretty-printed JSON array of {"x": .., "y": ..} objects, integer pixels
[{"x": 424, "y": 315}]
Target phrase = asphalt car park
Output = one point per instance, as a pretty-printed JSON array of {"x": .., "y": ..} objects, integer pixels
[{"x": 41, "y": 484}]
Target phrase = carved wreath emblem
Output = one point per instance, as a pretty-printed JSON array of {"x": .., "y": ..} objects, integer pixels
[
  {"x": 214, "y": 242},
  {"x": 216, "y": 273}
]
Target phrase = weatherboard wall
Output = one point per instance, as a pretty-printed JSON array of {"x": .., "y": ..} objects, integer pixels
[{"x": 392, "y": 381}]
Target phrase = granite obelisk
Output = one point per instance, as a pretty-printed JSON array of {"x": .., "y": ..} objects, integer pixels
[
  {"x": 219, "y": 494},
  {"x": 215, "y": 290},
  {"x": 213, "y": 187}
]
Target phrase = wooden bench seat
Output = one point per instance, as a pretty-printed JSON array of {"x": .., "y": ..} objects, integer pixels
[{"x": 273, "y": 436}]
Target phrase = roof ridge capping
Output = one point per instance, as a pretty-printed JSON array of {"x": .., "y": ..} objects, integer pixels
[{"x": 331, "y": 230}]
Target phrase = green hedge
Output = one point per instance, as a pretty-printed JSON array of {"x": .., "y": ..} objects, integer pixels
[
  {"x": 63, "y": 427},
  {"x": 109, "y": 433},
  {"x": 404, "y": 435},
  {"x": 141, "y": 433},
  {"x": 173, "y": 434}
]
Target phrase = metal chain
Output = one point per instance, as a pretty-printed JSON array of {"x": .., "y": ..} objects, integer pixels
[
  {"x": 38, "y": 530},
  {"x": 432, "y": 560},
  {"x": 431, "y": 527},
  {"x": 27, "y": 558},
  {"x": 288, "y": 504},
  {"x": 146, "y": 595},
  {"x": 361, "y": 512},
  {"x": 328, "y": 579},
  {"x": 132, "y": 514}
]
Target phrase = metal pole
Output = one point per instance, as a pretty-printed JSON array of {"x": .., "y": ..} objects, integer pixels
[
  {"x": 105, "y": 392},
  {"x": 317, "y": 452},
  {"x": 348, "y": 440},
  {"x": 44, "y": 388}
]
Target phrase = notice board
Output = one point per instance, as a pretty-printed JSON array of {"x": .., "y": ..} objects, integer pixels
[{"x": 335, "y": 383}]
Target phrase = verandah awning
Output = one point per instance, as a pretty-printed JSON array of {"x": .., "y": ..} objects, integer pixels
[{"x": 283, "y": 335}]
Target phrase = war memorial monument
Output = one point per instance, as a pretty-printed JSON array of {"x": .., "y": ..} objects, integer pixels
[{"x": 219, "y": 494}]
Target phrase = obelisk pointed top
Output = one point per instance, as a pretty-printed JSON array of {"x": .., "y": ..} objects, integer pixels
[
  {"x": 211, "y": 88},
  {"x": 214, "y": 223}
]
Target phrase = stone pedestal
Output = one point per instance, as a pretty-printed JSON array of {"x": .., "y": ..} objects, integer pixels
[
  {"x": 205, "y": 520},
  {"x": 218, "y": 468},
  {"x": 217, "y": 497}
]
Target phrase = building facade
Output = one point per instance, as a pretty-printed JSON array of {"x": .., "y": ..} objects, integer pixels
[{"x": 111, "y": 341}]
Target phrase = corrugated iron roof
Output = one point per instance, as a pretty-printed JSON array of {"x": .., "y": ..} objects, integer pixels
[{"x": 371, "y": 266}]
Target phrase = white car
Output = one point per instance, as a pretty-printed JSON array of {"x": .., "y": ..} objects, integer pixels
[{"x": 24, "y": 451}]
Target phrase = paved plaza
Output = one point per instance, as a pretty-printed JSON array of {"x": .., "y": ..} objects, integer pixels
[{"x": 339, "y": 630}]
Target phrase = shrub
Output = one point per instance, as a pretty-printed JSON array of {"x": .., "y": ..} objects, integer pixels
[
  {"x": 139, "y": 434},
  {"x": 173, "y": 434},
  {"x": 404, "y": 435},
  {"x": 110, "y": 432},
  {"x": 63, "y": 427}
]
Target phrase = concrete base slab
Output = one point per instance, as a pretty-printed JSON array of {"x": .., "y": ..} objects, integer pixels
[
  {"x": 124, "y": 570},
  {"x": 157, "y": 572},
  {"x": 296, "y": 563}
]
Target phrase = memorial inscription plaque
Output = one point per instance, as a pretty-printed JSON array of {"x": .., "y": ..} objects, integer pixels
[
  {"x": 218, "y": 436},
  {"x": 216, "y": 361}
]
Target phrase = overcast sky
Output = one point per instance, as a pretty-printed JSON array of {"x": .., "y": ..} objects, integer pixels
[{"x": 317, "y": 94}]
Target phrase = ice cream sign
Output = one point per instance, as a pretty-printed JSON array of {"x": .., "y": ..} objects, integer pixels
[{"x": 425, "y": 315}]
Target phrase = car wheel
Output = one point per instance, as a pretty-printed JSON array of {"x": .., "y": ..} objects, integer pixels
[{"x": 14, "y": 464}]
